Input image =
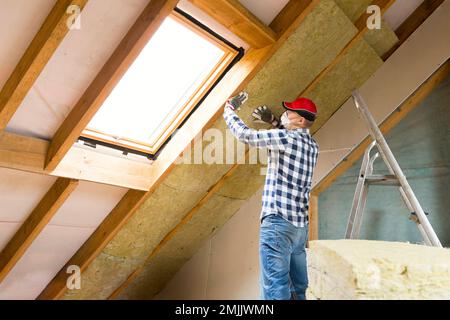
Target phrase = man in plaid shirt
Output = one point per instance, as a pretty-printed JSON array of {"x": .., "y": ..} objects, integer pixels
[{"x": 284, "y": 218}]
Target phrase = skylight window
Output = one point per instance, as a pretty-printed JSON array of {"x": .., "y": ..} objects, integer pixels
[{"x": 162, "y": 86}]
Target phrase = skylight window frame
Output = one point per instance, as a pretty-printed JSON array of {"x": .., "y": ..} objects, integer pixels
[{"x": 220, "y": 68}]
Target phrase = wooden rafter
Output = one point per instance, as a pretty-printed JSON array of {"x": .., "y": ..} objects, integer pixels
[
  {"x": 34, "y": 224},
  {"x": 288, "y": 14},
  {"x": 35, "y": 58},
  {"x": 28, "y": 154},
  {"x": 414, "y": 21},
  {"x": 313, "y": 216},
  {"x": 235, "y": 80},
  {"x": 127, "y": 51},
  {"x": 239, "y": 20}
]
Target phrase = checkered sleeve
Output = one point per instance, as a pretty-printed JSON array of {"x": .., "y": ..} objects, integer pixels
[{"x": 274, "y": 139}]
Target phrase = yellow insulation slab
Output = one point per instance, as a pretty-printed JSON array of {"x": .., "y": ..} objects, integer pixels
[
  {"x": 181, "y": 247},
  {"x": 381, "y": 40},
  {"x": 363, "y": 269}
]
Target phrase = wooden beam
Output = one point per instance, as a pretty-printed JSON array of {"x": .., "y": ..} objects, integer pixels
[
  {"x": 35, "y": 58},
  {"x": 34, "y": 224},
  {"x": 412, "y": 102},
  {"x": 238, "y": 20},
  {"x": 113, "y": 70},
  {"x": 313, "y": 216},
  {"x": 414, "y": 21},
  {"x": 288, "y": 14},
  {"x": 361, "y": 24},
  {"x": 235, "y": 80},
  {"x": 95, "y": 244},
  {"x": 28, "y": 154}
]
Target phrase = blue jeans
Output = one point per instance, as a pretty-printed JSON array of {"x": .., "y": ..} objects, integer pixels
[{"x": 282, "y": 259}]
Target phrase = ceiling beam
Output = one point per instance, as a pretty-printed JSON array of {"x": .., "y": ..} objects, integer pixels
[
  {"x": 123, "y": 56},
  {"x": 401, "y": 112},
  {"x": 82, "y": 163},
  {"x": 288, "y": 14},
  {"x": 35, "y": 58},
  {"x": 236, "y": 18},
  {"x": 414, "y": 21},
  {"x": 34, "y": 224},
  {"x": 234, "y": 81},
  {"x": 313, "y": 217}
]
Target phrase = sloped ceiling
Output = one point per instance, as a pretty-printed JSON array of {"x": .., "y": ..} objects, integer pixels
[{"x": 314, "y": 45}]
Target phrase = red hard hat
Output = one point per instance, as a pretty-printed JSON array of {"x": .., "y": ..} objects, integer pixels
[{"x": 304, "y": 107}]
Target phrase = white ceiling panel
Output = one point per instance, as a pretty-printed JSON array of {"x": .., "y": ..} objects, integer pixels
[
  {"x": 20, "y": 20},
  {"x": 265, "y": 10},
  {"x": 46, "y": 256},
  {"x": 20, "y": 192},
  {"x": 74, "y": 65},
  {"x": 88, "y": 205}
]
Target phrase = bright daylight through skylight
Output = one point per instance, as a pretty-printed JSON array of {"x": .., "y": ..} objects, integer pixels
[{"x": 167, "y": 73}]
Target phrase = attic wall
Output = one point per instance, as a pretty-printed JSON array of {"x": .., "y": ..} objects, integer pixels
[
  {"x": 316, "y": 42},
  {"x": 386, "y": 90},
  {"x": 211, "y": 273},
  {"x": 227, "y": 265},
  {"x": 421, "y": 144}
]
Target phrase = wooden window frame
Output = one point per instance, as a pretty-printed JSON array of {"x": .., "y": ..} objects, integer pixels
[{"x": 229, "y": 55}]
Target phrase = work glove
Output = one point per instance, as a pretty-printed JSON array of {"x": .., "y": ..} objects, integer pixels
[
  {"x": 264, "y": 115},
  {"x": 237, "y": 101}
]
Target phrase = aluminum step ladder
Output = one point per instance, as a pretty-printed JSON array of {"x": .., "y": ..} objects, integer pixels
[{"x": 396, "y": 178}]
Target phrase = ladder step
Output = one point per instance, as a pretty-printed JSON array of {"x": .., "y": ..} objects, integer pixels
[{"x": 383, "y": 180}]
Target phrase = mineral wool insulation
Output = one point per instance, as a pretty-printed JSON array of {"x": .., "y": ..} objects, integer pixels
[{"x": 363, "y": 269}]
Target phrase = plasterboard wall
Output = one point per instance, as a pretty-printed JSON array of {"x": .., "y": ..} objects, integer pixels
[
  {"x": 421, "y": 145},
  {"x": 226, "y": 267},
  {"x": 399, "y": 11},
  {"x": 398, "y": 78}
]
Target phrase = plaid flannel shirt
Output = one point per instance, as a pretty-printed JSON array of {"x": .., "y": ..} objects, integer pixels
[{"x": 292, "y": 158}]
